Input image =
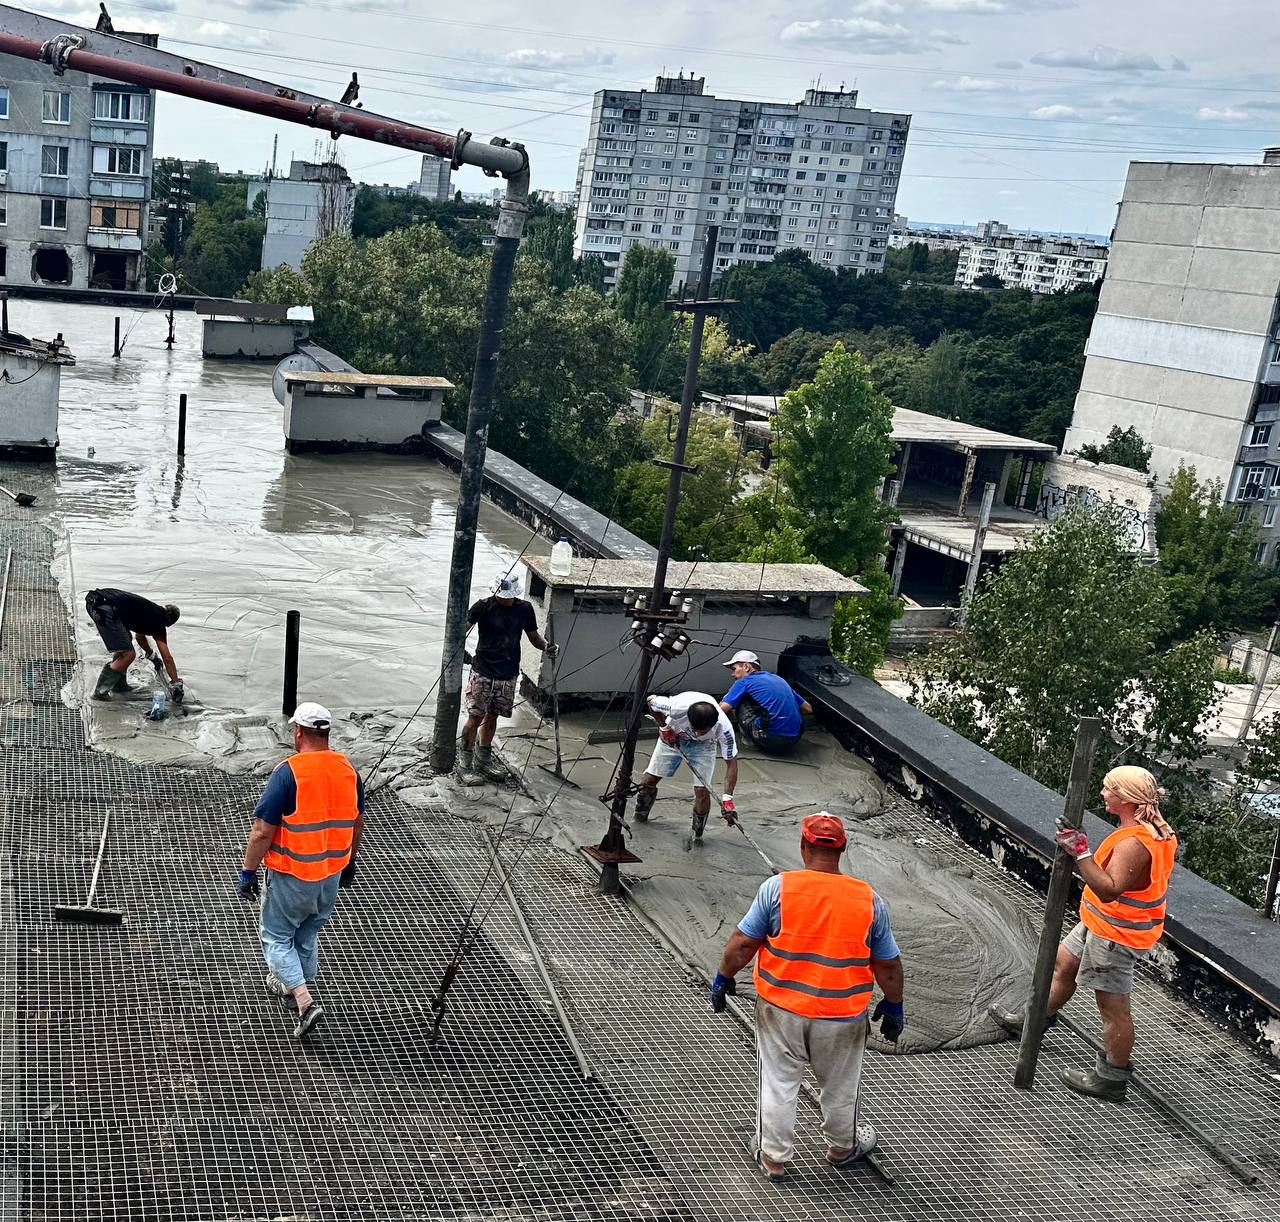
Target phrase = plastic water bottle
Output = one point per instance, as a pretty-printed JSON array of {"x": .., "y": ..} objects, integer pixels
[
  {"x": 158, "y": 710},
  {"x": 562, "y": 558}
]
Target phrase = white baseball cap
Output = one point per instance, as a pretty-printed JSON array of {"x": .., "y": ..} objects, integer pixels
[
  {"x": 507, "y": 585},
  {"x": 311, "y": 716},
  {"x": 743, "y": 655}
]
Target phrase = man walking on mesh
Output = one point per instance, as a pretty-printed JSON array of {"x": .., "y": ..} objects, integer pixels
[
  {"x": 306, "y": 830},
  {"x": 821, "y": 941},
  {"x": 495, "y": 666}
]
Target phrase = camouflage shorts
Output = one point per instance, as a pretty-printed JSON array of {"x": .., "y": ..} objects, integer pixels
[{"x": 485, "y": 696}]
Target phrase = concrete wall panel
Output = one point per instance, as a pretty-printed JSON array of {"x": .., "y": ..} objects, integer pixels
[
  {"x": 1237, "y": 271},
  {"x": 1170, "y": 224},
  {"x": 1165, "y": 182},
  {"x": 1244, "y": 186},
  {"x": 1251, "y": 229},
  {"x": 1208, "y": 350},
  {"x": 1148, "y": 262},
  {"x": 1135, "y": 299}
]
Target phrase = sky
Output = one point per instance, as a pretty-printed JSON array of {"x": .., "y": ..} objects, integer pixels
[{"x": 1026, "y": 111}]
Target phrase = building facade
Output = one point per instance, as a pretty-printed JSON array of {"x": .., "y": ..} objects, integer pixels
[
  {"x": 435, "y": 181},
  {"x": 1043, "y": 264},
  {"x": 820, "y": 176},
  {"x": 316, "y": 199},
  {"x": 75, "y": 177},
  {"x": 1185, "y": 347}
]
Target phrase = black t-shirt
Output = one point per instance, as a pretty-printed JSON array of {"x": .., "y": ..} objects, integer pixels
[
  {"x": 497, "y": 655},
  {"x": 138, "y": 614}
]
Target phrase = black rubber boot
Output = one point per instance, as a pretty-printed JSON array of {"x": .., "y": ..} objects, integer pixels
[
  {"x": 644, "y": 804},
  {"x": 1103, "y": 1081},
  {"x": 699, "y": 824},
  {"x": 106, "y": 682}
]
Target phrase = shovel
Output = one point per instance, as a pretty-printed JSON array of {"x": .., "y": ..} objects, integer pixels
[
  {"x": 87, "y": 914},
  {"x": 23, "y": 498}
]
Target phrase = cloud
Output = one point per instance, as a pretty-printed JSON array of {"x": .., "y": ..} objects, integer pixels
[
  {"x": 1055, "y": 111},
  {"x": 1228, "y": 114},
  {"x": 872, "y": 37},
  {"x": 531, "y": 67},
  {"x": 528, "y": 57},
  {"x": 973, "y": 84},
  {"x": 1258, "y": 104},
  {"x": 968, "y": 8},
  {"x": 1011, "y": 65},
  {"x": 1007, "y": 191},
  {"x": 1118, "y": 120},
  {"x": 1179, "y": 65},
  {"x": 233, "y": 36},
  {"x": 1100, "y": 59},
  {"x": 965, "y": 6}
]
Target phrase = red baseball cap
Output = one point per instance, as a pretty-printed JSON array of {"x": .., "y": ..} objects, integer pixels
[{"x": 823, "y": 829}]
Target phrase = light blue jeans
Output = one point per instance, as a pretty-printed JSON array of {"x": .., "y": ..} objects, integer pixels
[{"x": 293, "y": 913}]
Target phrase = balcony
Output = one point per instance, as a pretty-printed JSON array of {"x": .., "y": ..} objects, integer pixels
[
  {"x": 113, "y": 239},
  {"x": 1254, "y": 454},
  {"x": 1266, "y": 413},
  {"x": 108, "y": 186}
]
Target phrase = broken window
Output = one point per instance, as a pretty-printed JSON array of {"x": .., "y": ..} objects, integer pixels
[{"x": 51, "y": 265}]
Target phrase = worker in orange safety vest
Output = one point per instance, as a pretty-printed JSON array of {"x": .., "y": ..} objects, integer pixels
[
  {"x": 821, "y": 942},
  {"x": 1121, "y": 918},
  {"x": 306, "y": 830}
]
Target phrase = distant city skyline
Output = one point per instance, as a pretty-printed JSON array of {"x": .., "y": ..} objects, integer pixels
[{"x": 1029, "y": 110}]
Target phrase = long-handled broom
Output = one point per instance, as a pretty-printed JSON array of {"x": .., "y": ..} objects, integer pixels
[{"x": 87, "y": 914}]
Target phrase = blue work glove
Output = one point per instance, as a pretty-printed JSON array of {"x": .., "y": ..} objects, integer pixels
[
  {"x": 247, "y": 885},
  {"x": 348, "y": 875},
  {"x": 722, "y": 987},
  {"x": 891, "y": 1017}
]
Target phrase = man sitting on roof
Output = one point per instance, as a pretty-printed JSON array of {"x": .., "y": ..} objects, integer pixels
[{"x": 768, "y": 710}]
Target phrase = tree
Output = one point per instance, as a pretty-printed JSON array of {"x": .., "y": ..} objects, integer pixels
[
  {"x": 224, "y": 247},
  {"x": 643, "y": 287},
  {"x": 1071, "y": 625},
  {"x": 939, "y": 383},
  {"x": 1206, "y": 561},
  {"x": 988, "y": 281},
  {"x": 917, "y": 263},
  {"x": 1123, "y": 447},
  {"x": 833, "y": 449},
  {"x": 778, "y": 297}
]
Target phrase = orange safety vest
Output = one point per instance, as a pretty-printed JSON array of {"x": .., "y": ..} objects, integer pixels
[
  {"x": 818, "y": 964},
  {"x": 314, "y": 842},
  {"x": 1136, "y": 918}
]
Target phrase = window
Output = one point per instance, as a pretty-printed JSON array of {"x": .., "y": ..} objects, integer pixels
[
  {"x": 4, "y": 101},
  {"x": 125, "y": 107},
  {"x": 1253, "y": 482},
  {"x": 57, "y": 107},
  {"x": 1269, "y": 516},
  {"x": 4, "y": 154},
  {"x": 1261, "y": 435},
  {"x": 53, "y": 213},
  {"x": 4, "y": 209},
  {"x": 696, "y": 117},
  {"x": 113, "y": 159},
  {"x": 53, "y": 160},
  {"x": 1260, "y": 553},
  {"x": 116, "y": 216}
]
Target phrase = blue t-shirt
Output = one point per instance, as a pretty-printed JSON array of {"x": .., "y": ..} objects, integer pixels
[
  {"x": 280, "y": 797},
  {"x": 764, "y": 918},
  {"x": 773, "y": 694}
]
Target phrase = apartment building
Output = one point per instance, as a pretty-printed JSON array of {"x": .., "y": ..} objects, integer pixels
[
  {"x": 75, "y": 177},
  {"x": 435, "y": 181},
  {"x": 1185, "y": 346},
  {"x": 820, "y": 176},
  {"x": 315, "y": 199},
  {"x": 1037, "y": 262}
]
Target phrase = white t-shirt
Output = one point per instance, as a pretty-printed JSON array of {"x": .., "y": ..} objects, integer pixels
[{"x": 676, "y": 711}]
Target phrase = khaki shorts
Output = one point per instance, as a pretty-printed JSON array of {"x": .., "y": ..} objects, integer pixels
[
  {"x": 485, "y": 696},
  {"x": 1105, "y": 966}
]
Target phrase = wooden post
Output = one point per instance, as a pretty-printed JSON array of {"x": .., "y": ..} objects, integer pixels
[
  {"x": 1088, "y": 734},
  {"x": 182, "y": 426},
  {"x": 292, "y": 634},
  {"x": 116, "y": 350}
]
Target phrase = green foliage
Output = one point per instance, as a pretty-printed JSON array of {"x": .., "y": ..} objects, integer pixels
[
  {"x": 465, "y": 226},
  {"x": 224, "y": 246},
  {"x": 776, "y": 298},
  {"x": 408, "y": 302},
  {"x": 1124, "y": 447},
  {"x": 1207, "y": 567},
  {"x": 917, "y": 263},
  {"x": 860, "y": 629},
  {"x": 988, "y": 281},
  {"x": 938, "y": 383},
  {"x": 550, "y": 238},
  {"x": 1071, "y": 626},
  {"x": 644, "y": 283},
  {"x": 1224, "y": 838},
  {"x": 833, "y": 455},
  {"x": 1231, "y": 676}
]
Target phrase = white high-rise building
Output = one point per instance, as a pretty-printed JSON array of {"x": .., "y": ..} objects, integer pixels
[
  {"x": 1043, "y": 264},
  {"x": 435, "y": 181},
  {"x": 316, "y": 199},
  {"x": 819, "y": 176}
]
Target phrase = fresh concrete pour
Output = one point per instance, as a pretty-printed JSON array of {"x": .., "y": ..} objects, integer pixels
[{"x": 239, "y": 533}]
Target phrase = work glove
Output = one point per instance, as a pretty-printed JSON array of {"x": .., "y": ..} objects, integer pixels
[
  {"x": 1074, "y": 841},
  {"x": 156, "y": 660},
  {"x": 177, "y": 692},
  {"x": 722, "y": 987},
  {"x": 891, "y": 1017},
  {"x": 670, "y": 737},
  {"x": 247, "y": 885},
  {"x": 552, "y": 651},
  {"x": 728, "y": 810},
  {"x": 348, "y": 876}
]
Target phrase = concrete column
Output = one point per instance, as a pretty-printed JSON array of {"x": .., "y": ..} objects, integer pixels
[
  {"x": 966, "y": 484},
  {"x": 899, "y": 562},
  {"x": 892, "y": 489},
  {"x": 904, "y": 461},
  {"x": 975, "y": 556},
  {"x": 1002, "y": 489}
]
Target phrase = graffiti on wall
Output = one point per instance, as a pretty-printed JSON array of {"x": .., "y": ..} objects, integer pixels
[{"x": 1055, "y": 501}]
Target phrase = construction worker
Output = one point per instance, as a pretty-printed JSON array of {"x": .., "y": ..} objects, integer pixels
[
  {"x": 820, "y": 941},
  {"x": 691, "y": 728},
  {"x": 116, "y": 614},
  {"x": 768, "y": 710},
  {"x": 1121, "y": 919},
  {"x": 306, "y": 828},
  {"x": 495, "y": 666}
]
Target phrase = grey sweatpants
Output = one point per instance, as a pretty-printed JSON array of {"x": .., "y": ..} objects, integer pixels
[{"x": 789, "y": 1043}]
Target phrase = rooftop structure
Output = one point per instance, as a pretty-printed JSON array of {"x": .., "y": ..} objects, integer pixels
[
  {"x": 820, "y": 176},
  {"x": 1185, "y": 347}
]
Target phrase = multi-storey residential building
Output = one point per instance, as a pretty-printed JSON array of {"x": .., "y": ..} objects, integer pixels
[
  {"x": 1185, "y": 347},
  {"x": 1030, "y": 261},
  {"x": 435, "y": 181},
  {"x": 75, "y": 177},
  {"x": 316, "y": 199},
  {"x": 819, "y": 176}
]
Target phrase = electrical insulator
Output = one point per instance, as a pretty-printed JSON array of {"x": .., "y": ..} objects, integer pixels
[
  {"x": 636, "y": 625},
  {"x": 679, "y": 645},
  {"x": 686, "y": 607},
  {"x": 657, "y": 643},
  {"x": 629, "y": 599},
  {"x": 642, "y": 603}
]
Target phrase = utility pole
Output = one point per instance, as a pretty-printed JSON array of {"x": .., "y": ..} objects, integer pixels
[
  {"x": 1263, "y": 671},
  {"x": 176, "y": 208},
  {"x": 612, "y": 849}
]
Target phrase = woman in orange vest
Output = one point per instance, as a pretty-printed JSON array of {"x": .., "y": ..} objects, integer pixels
[{"x": 1121, "y": 919}]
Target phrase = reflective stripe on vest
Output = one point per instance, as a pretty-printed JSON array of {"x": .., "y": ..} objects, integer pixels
[
  {"x": 1136, "y": 918},
  {"x": 818, "y": 964},
  {"x": 314, "y": 841}
]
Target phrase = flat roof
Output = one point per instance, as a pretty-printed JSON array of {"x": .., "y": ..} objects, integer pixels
[
  {"x": 700, "y": 577},
  {"x": 392, "y": 380},
  {"x": 908, "y": 425},
  {"x": 954, "y": 536}
]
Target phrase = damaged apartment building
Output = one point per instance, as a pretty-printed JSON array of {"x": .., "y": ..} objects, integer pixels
[{"x": 75, "y": 177}]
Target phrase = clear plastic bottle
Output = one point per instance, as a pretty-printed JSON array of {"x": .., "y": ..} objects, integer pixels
[
  {"x": 159, "y": 706},
  {"x": 562, "y": 557}
]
